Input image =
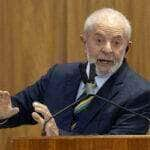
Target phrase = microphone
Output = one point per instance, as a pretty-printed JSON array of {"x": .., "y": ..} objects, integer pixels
[
  {"x": 89, "y": 89},
  {"x": 90, "y": 92},
  {"x": 121, "y": 107},
  {"x": 89, "y": 81},
  {"x": 43, "y": 133},
  {"x": 89, "y": 86}
]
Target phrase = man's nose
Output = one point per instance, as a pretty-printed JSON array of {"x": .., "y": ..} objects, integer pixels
[{"x": 107, "y": 48}]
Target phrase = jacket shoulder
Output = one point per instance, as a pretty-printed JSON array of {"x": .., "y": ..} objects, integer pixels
[
  {"x": 61, "y": 70},
  {"x": 135, "y": 83}
]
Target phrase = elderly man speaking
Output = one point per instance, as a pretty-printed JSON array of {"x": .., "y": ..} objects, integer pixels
[{"x": 106, "y": 39}]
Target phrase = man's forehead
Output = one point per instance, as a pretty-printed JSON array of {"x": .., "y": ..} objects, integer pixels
[{"x": 116, "y": 30}]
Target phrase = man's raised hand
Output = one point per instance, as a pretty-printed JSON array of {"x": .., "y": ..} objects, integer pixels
[{"x": 6, "y": 109}]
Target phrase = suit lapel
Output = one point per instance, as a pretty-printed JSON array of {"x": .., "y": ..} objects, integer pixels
[
  {"x": 70, "y": 89},
  {"x": 109, "y": 91}
]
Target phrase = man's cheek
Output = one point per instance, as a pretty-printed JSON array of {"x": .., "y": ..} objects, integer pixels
[
  {"x": 92, "y": 52},
  {"x": 89, "y": 52}
]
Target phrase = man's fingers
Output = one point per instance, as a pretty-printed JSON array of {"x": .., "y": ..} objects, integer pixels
[
  {"x": 4, "y": 93},
  {"x": 1, "y": 95},
  {"x": 14, "y": 111},
  {"x": 6, "y": 109},
  {"x": 37, "y": 104},
  {"x": 38, "y": 118},
  {"x": 9, "y": 114},
  {"x": 51, "y": 127},
  {"x": 44, "y": 113},
  {"x": 5, "y": 97},
  {"x": 40, "y": 108}
]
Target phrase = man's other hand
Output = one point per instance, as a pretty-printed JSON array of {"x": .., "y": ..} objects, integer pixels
[
  {"x": 6, "y": 109},
  {"x": 41, "y": 115}
]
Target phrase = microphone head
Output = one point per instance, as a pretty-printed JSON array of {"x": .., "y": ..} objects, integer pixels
[
  {"x": 88, "y": 81},
  {"x": 92, "y": 73},
  {"x": 89, "y": 88}
]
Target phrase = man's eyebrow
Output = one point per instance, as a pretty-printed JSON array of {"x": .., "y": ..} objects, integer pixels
[
  {"x": 99, "y": 34},
  {"x": 118, "y": 36}
]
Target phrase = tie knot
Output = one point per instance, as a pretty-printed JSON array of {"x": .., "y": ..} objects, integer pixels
[{"x": 90, "y": 88}]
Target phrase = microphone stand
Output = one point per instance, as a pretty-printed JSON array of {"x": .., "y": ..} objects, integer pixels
[
  {"x": 43, "y": 133},
  {"x": 121, "y": 107},
  {"x": 89, "y": 86}
]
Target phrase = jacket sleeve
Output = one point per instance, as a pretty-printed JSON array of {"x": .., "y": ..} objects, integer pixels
[
  {"x": 24, "y": 100},
  {"x": 128, "y": 123}
]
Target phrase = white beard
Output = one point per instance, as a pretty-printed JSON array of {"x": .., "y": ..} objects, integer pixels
[{"x": 112, "y": 70}]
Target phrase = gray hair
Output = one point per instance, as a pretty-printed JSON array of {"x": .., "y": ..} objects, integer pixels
[{"x": 108, "y": 16}]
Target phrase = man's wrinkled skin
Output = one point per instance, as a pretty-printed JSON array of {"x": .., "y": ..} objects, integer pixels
[{"x": 106, "y": 46}]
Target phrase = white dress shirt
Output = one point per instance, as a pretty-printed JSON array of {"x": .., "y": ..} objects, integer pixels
[{"x": 98, "y": 80}]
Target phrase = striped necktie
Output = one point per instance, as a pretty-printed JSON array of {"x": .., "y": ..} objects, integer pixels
[
  {"x": 89, "y": 88},
  {"x": 81, "y": 106}
]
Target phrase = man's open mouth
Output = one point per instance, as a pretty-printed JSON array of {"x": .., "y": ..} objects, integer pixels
[{"x": 105, "y": 61}]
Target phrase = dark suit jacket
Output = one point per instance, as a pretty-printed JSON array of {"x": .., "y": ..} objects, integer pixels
[{"x": 58, "y": 88}]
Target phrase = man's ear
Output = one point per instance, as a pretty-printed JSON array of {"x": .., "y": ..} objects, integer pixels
[
  {"x": 84, "y": 41},
  {"x": 128, "y": 47},
  {"x": 83, "y": 37}
]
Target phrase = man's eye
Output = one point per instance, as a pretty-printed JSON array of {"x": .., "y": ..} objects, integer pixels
[
  {"x": 99, "y": 40},
  {"x": 117, "y": 42}
]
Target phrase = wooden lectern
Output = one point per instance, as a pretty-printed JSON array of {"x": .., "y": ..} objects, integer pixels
[{"x": 111, "y": 142}]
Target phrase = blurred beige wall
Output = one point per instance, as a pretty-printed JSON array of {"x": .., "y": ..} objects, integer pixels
[{"x": 35, "y": 34}]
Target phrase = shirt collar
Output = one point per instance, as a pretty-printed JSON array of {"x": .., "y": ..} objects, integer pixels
[{"x": 98, "y": 79}]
